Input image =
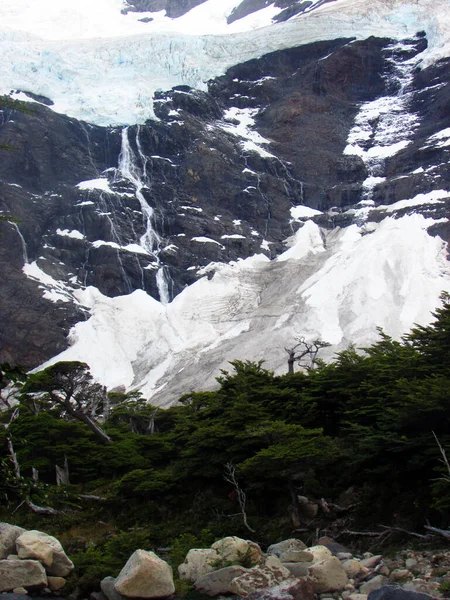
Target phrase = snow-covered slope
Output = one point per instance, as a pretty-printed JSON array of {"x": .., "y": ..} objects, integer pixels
[
  {"x": 337, "y": 286},
  {"x": 101, "y": 66}
]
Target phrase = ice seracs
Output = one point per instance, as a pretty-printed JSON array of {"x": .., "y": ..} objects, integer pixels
[{"x": 112, "y": 79}]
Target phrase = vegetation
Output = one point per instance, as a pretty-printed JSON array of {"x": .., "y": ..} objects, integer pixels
[{"x": 359, "y": 433}]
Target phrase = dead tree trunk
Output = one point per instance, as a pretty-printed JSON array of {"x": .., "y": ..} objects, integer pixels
[{"x": 230, "y": 476}]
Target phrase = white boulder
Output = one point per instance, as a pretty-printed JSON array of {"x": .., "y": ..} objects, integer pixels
[{"x": 145, "y": 575}]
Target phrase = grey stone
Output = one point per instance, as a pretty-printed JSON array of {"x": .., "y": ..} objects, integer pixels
[
  {"x": 268, "y": 574},
  {"x": 107, "y": 587},
  {"x": 198, "y": 562},
  {"x": 293, "y": 589},
  {"x": 8, "y": 535},
  {"x": 217, "y": 582},
  {"x": 328, "y": 575},
  {"x": 297, "y": 569},
  {"x": 389, "y": 592},
  {"x": 373, "y": 584},
  {"x": 21, "y": 573},
  {"x": 285, "y": 548},
  {"x": 371, "y": 561}
]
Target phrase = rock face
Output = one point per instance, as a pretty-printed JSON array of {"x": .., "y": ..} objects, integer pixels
[
  {"x": 145, "y": 575},
  {"x": 46, "y": 549},
  {"x": 21, "y": 573}
]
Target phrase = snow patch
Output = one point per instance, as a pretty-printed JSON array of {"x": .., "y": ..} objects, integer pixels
[
  {"x": 74, "y": 233},
  {"x": 95, "y": 184}
]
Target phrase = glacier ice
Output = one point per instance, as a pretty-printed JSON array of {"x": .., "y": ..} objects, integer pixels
[
  {"x": 112, "y": 80},
  {"x": 335, "y": 285}
]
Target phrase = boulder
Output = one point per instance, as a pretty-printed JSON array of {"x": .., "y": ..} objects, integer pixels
[
  {"x": 21, "y": 573},
  {"x": 297, "y": 589},
  {"x": 354, "y": 568},
  {"x": 107, "y": 587},
  {"x": 328, "y": 575},
  {"x": 235, "y": 550},
  {"x": 198, "y": 562},
  {"x": 373, "y": 584},
  {"x": 320, "y": 553},
  {"x": 423, "y": 586},
  {"x": 333, "y": 546},
  {"x": 399, "y": 575},
  {"x": 8, "y": 535},
  {"x": 56, "y": 583},
  {"x": 45, "y": 548},
  {"x": 285, "y": 549},
  {"x": 389, "y": 592},
  {"x": 299, "y": 556},
  {"x": 372, "y": 561},
  {"x": 270, "y": 573},
  {"x": 217, "y": 582},
  {"x": 297, "y": 569},
  {"x": 145, "y": 575}
]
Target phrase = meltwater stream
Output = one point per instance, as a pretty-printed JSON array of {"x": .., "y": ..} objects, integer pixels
[{"x": 129, "y": 169}]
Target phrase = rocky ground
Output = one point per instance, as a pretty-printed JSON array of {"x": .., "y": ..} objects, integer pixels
[{"x": 231, "y": 566}]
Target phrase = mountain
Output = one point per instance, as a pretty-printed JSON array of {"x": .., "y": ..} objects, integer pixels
[{"x": 190, "y": 182}]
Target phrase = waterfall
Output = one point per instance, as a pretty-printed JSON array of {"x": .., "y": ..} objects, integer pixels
[
  {"x": 130, "y": 170},
  {"x": 23, "y": 242}
]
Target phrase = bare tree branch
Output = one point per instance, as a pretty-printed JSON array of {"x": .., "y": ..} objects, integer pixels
[{"x": 230, "y": 477}]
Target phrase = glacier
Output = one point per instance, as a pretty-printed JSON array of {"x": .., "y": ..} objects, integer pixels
[
  {"x": 337, "y": 285},
  {"x": 104, "y": 68}
]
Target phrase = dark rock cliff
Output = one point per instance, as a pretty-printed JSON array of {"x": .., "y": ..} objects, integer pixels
[{"x": 193, "y": 183}]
